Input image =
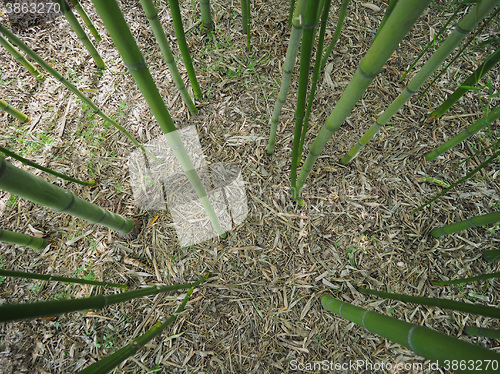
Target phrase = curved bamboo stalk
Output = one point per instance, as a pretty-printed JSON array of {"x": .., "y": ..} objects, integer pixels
[
  {"x": 14, "y": 39},
  {"x": 466, "y": 280},
  {"x": 23, "y": 184},
  {"x": 29, "y": 241},
  {"x": 476, "y": 221},
  {"x": 432, "y": 345},
  {"x": 19, "y": 57},
  {"x": 43, "y": 168},
  {"x": 466, "y": 25},
  {"x": 80, "y": 33},
  {"x": 15, "y": 312},
  {"x": 308, "y": 26},
  {"x": 336, "y": 34},
  {"x": 152, "y": 14},
  {"x": 206, "y": 15},
  {"x": 13, "y": 112},
  {"x": 117, "y": 27},
  {"x": 86, "y": 20},
  {"x": 482, "y": 332},
  {"x": 483, "y": 310},
  {"x": 491, "y": 255},
  {"x": 472, "y": 80},
  {"x": 181, "y": 40},
  {"x": 398, "y": 24},
  {"x": 55, "y": 278},
  {"x": 291, "y": 55},
  {"x": 477, "y": 126}
]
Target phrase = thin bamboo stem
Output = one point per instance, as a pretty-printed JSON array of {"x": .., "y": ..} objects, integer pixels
[
  {"x": 23, "y": 184},
  {"x": 491, "y": 255},
  {"x": 466, "y": 280},
  {"x": 206, "y": 16},
  {"x": 80, "y": 33},
  {"x": 15, "y": 40},
  {"x": 477, "y": 126},
  {"x": 290, "y": 12},
  {"x": 476, "y": 221},
  {"x": 432, "y": 345},
  {"x": 483, "y": 310},
  {"x": 43, "y": 168},
  {"x": 181, "y": 40},
  {"x": 152, "y": 15},
  {"x": 482, "y": 332},
  {"x": 29, "y": 241},
  {"x": 13, "y": 112},
  {"x": 55, "y": 278},
  {"x": 291, "y": 55},
  {"x": 388, "y": 11},
  {"x": 86, "y": 20},
  {"x": 466, "y": 25},
  {"x": 248, "y": 18},
  {"x": 19, "y": 57},
  {"x": 244, "y": 16},
  {"x": 336, "y": 34}
]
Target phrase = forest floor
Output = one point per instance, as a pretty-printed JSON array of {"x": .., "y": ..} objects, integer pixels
[{"x": 260, "y": 312}]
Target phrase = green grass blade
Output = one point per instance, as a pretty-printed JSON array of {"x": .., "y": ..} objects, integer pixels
[
  {"x": 466, "y": 280},
  {"x": 29, "y": 241}
]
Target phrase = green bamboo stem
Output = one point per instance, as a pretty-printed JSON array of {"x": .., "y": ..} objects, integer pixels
[
  {"x": 491, "y": 255},
  {"x": 432, "y": 345},
  {"x": 80, "y": 33},
  {"x": 471, "y": 81},
  {"x": 206, "y": 16},
  {"x": 29, "y": 241},
  {"x": 247, "y": 20},
  {"x": 291, "y": 55},
  {"x": 483, "y": 310},
  {"x": 316, "y": 73},
  {"x": 308, "y": 26},
  {"x": 152, "y": 14},
  {"x": 476, "y": 221},
  {"x": 55, "y": 278},
  {"x": 181, "y": 40},
  {"x": 466, "y": 25},
  {"x": 398, "y": 24},
  {"x": 336, "y": 34},
  {"x": 290, "y": 12},
  {"x": 19, "y": 57},
  {"x": 15, "y": 40},
  {"x": 244, "y": 16},
  {"x": 466, "y": 280},
  {"x": 477, "y": 126},
  {"x": 482, "y": 332},
  {"x": 13, "y": 112},
  {"x": 461, "y": 180},
  {"x": 86, "y": 20},
  {"x": 110, "y": 362},
  {"x": 14, "y": 312},
  {"x": 388, "y": 11},
  {"x": 43, "y": 168},
  {"x": 23, "y": 184},
  {"x": 132, "y": 57}
]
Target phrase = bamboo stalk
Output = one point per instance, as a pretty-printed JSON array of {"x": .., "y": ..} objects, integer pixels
[
  {"x": 244, "y": 16},
  {"x": 15, "y": 312},
  {"x": 466, "y": 280},
  {"x": 181, "y": 40},
  {"x": 291, "y": 55},
  {"x": 476, "y": 221},
  {"x": 308, "y": 26},
  {"x": 206, "y": 16},
  {"x": 29, "y": 241},
  {"x": 43, "y": 168},
  {"x": 290, "y": 12},
  {"x": 430, "y": 344},
  {"x": 472, "y": 80},
  {"x": 466, "y": 25},
  {"x": 80, "y": 33},
  {"x": 15, "y": 40},
  {"x": 86, "y": 20},
  {"x": 23, "y": 184},
  {"x": 388, "y": 11},
  {"x": 398, "y": 24},
  {"x": 336, "y": 34},
  {"x": 477, "y": 126},
  {"x": 483, "y": 310},
  {"x": 152, "y": 14},
  {"x": 119, "y": 31},
  {"x": 55, "y": 278},
  {"x": 491, "y": 255},
  {"x": 13, "y": 112},
  {"x": 482, "y": 332},
  {"x": 247, "y": 20},
  {"x": 19, "y": 57}
]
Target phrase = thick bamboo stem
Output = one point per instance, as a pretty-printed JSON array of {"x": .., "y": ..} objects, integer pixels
[
  {"x": 206, "y": 15},
  {"x": 29, "y": 241}
]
